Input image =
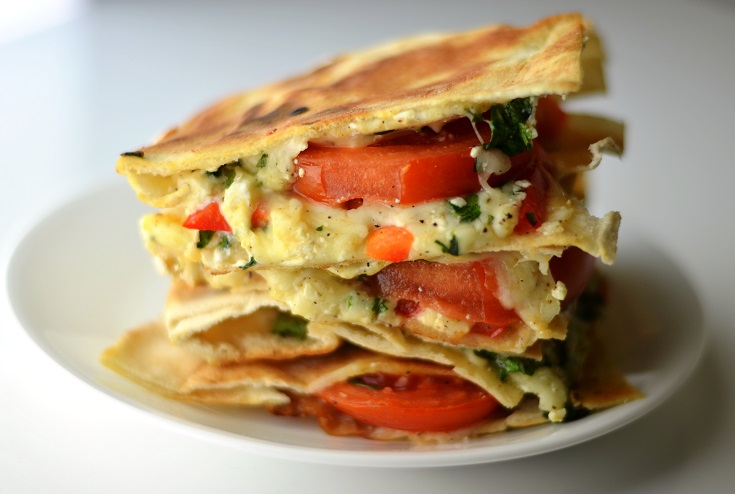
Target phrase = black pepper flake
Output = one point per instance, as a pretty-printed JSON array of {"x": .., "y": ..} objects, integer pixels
[
  {"x": 299, "y": 111},
  {"x": 137, "y": 154}
]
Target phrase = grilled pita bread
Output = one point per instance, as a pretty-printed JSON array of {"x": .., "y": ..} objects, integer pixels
[
  {"x": 147, "y": 356},
  {"x": 409, "y": 83}
]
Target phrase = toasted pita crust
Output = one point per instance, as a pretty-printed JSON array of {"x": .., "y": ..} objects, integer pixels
[
  {"x": 146, "y": 356},
  {"x": 408, "y": 83},
  {"x": 230, "y": 325},
  {"x": 600, "y": 383},
  {"x": 235, "y": 325},
  {"x": 241, "y": 339}
]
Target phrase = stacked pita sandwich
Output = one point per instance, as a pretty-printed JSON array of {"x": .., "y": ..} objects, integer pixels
[{"x": 395, "y": 243}]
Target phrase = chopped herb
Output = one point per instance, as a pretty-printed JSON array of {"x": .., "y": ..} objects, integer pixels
[
  {"x": 299, "y": 111},
  {"x": 470, "y": 211},
  {"x": 349, "y": 301},
  {"x": 252, "y": 262},
  {"x": 262, "y": 161},
  {"x": 320, "y": 228},
  {"x": 452, "y": 248},
  {"x": 383, "y": 132},
  {"x": 506, "y": 365},
  {"x": 224, "y": 242},
  {"x": 358, "y": 381},
  {"x": 226, "y": 171},
  {"x": 205, "y": 236},
  {"x": 531, "y": 218},
  {"x": 510, "y": 134},
  {"x": 290, "y": 326},
  {"x": 137, "y": 154},
  {"x": 232, "y": 164},
  {"x": 379, "y": 305}
]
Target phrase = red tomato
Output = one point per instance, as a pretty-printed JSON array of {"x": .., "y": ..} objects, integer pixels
[
  {"x": 259, "y": 217},
  {"x": 575, "y": 268},
  {"x": 403, "y": 167},
  {"x": 550, "y": 118},
  {"x": 410, "y": 402},
  {"x": 387, "y": 174},
  {"x": 389, "y": 243},
  {"x": 466, "y": 291},
  {"x": 207, "y": 218}
]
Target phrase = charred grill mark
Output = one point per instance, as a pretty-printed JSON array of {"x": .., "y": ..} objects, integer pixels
[{"x": 299, "y": 111}]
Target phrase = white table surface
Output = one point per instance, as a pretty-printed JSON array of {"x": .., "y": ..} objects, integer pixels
[{"x": 73, "y": 97}]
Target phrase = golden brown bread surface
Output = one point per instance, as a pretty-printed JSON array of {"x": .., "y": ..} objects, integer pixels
[{"x": 408, "y": 83}]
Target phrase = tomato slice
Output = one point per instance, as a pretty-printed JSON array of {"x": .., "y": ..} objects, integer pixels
[
  {"x": 420, "y": 403},
  {"x": 575, "y": 269},
  {"x": 387, "y": 174},
  {"x": 550, "y": 118},
  {"x": 207, "y": 218},
  {"x": 465, "y": 291},
  {"x": 401, "y": 168}
]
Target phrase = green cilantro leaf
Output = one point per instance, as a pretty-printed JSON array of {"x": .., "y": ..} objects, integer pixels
[
  {"x": 226, "y": 171},
  {"x": 506, "y": 365},
  {"x": 252, "y": 262},
  {"x": 262, "y": 161},
  {"x": 224, "y": 242},
  {"x": 470, "y": 211},
  {"x": 510, "y": 134},
  {"x": 452, "y": 248},
  {"x": 290, "y": 326},
  {"x": 205, "y": 236},
  {"x": 379, "y": 305}
]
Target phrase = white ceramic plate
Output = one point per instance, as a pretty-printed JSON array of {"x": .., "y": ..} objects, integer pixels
[{"x": 81, "y": 277}]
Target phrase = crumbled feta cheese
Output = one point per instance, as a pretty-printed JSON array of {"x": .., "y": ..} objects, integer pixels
[{"x": 560, "y": 291}]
